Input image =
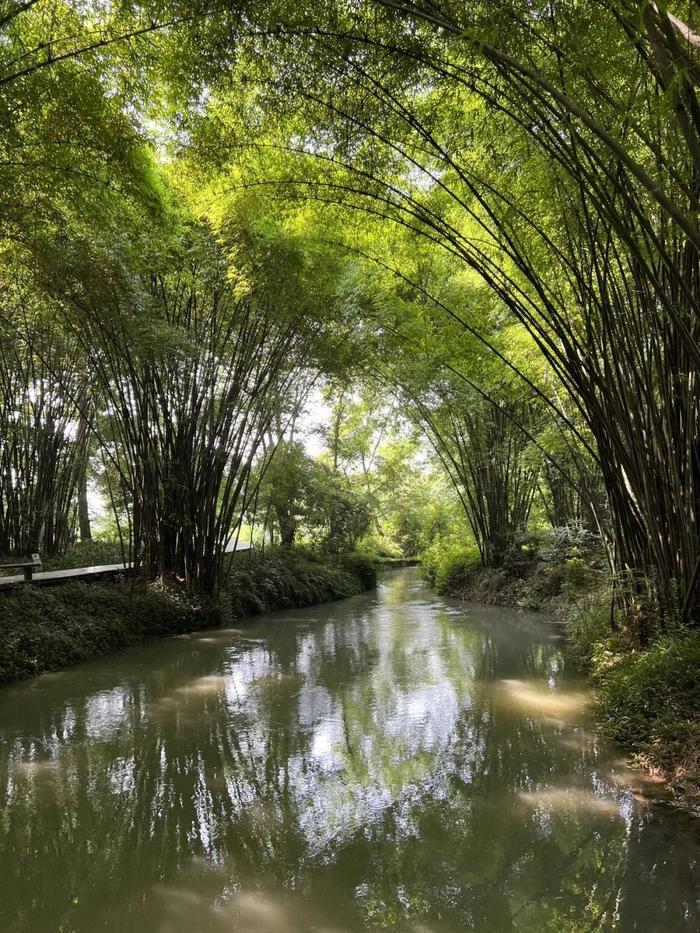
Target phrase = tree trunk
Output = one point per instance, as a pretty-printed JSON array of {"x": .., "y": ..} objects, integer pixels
[{"x": 83, "y": 512}]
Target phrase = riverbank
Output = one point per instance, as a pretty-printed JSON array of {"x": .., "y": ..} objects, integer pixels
[
  {"x": 647, "y": 696},
  {"x": 48, "y": 628}
]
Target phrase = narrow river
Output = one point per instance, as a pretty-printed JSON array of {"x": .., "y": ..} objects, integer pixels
[{"x": 395, "y": 761}]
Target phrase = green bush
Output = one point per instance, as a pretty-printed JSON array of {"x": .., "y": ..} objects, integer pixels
[
  {"x": 47, "y": 628},
  {"x": 589, "y": 631},
  {"x": 547, "y": 582},
  {"x": 576, "y": 573},
  {"x": 281, "y": 579},
  {"x": 87, "y": 554},
  {"x": 556, "y": 545},
  {"x": 377, "y": 548},
  {"x": 649, "y": 701},
  {"x": 363, "y": 566},
  {"x": 43, "y": 629},
  {"x": 448, "y": 562}
]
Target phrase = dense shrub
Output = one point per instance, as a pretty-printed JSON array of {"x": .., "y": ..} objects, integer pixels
[
  {"x": 589, "y": 630},
  {"x": 47, "y": 628},
  {"x": 647, "y": 698},
  {"x": 447, "y": 562},
  {"x": 569, "y": 578},
  {"x": 87, "y": 554},
  {"x": 560, "y": 565},
  {"x": 547, "y": 582},
  {"x": 363, "y": 567},
  {"x": 282, "y": 579},
  {"x": 557, "y": 545},
  {"x": 378, "y": 549},
  {"x": 43, "y": 629},
  {"x": 577, "y": 572},
  {"x": 649, "y": 701}
]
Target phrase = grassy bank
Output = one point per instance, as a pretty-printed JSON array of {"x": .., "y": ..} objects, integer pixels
[
  {"x": 47, "y": 628},
  {"x": 647, "y": 696}
]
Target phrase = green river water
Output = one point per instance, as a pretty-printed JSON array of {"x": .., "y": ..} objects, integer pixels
[{"x": 392, "y": 762}]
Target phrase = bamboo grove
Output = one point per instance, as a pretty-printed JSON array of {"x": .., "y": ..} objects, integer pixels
[
  {"x": 564, "y": 173},
  {"x": 512, "y": 175}
]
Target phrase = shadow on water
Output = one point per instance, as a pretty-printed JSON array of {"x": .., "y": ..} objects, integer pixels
[{"x": 394, "y": 761}]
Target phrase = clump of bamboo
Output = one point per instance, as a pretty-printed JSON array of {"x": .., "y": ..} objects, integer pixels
[
  {"x": 43, "y": 441},
  {"x": 493, "y": 468},
  {"x": 192, "y": 381}
]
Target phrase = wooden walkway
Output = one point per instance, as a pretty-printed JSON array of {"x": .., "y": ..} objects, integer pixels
[{"x": 47, "y": 577}]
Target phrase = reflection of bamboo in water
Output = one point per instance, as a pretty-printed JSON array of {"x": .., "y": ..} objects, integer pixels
[
  {"x": 571, "y": 858},
  {"x": 214, "y": 758}
]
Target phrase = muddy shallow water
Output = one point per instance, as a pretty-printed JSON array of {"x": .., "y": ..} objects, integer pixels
[{"x": 394, "y": 761}]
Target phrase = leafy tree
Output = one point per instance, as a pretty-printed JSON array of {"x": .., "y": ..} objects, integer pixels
[
  {"x": 342, "y": 514},
  {"x": 287, "y": 490},
  {"x": 303, "y": 496}
]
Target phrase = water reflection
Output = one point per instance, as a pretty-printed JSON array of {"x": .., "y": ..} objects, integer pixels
[{"x": 390, "y": 762}]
